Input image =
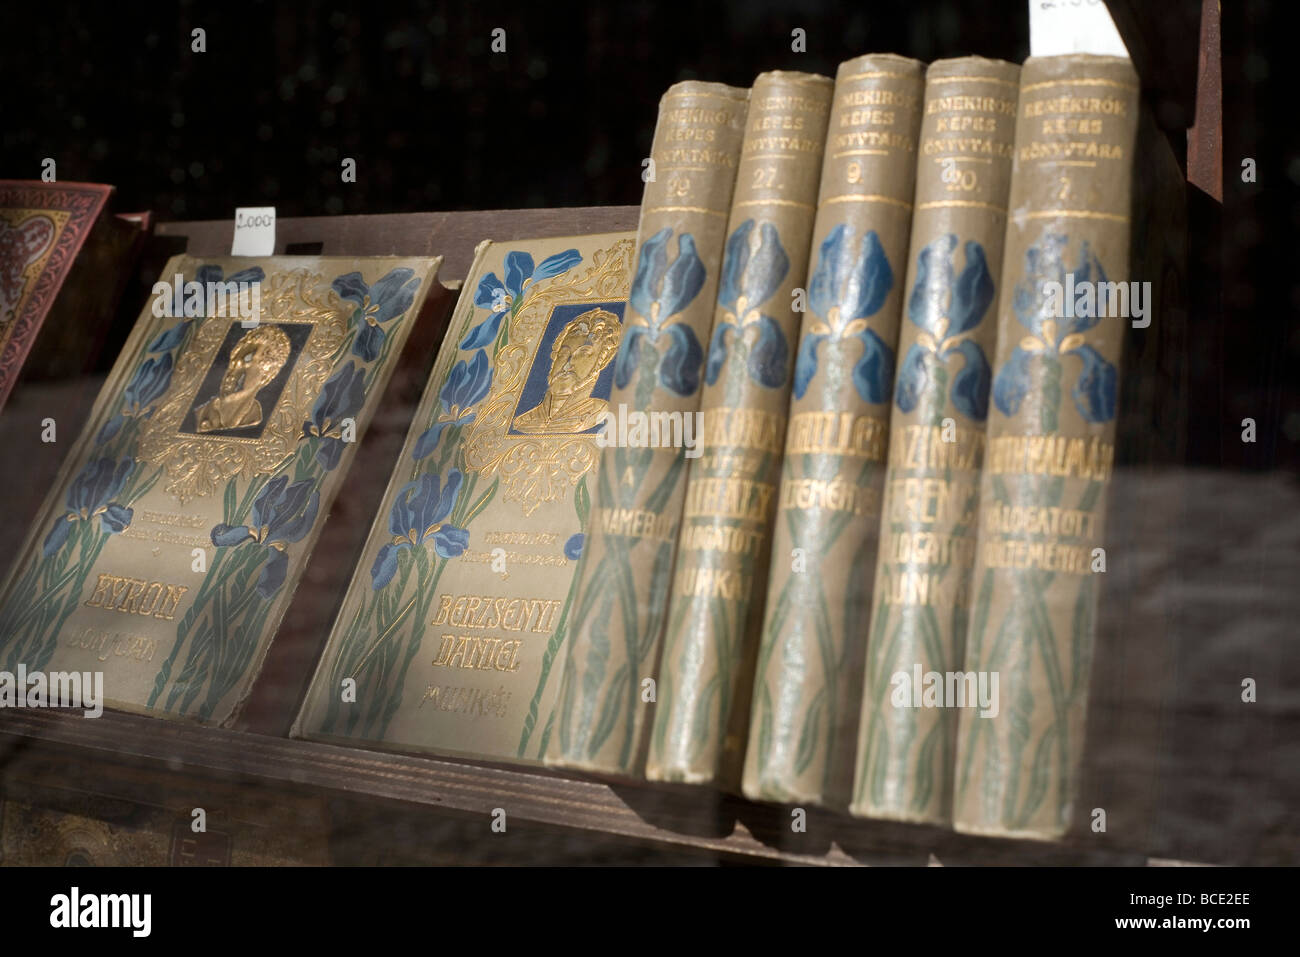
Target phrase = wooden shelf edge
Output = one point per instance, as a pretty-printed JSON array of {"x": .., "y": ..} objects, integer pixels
[{"x": 697, "y": 818}]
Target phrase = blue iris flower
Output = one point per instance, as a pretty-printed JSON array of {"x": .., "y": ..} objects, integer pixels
[
  {"x": 659, "y": 292},
  {"x": 91, "y": 495},
  {"x": 848, "y": 286},
  {"x": 466, "y": 385},
  {"x": 503, "y": 297},
  {"x": 419, "y": 515},
  {"x": 1053, "y": 337},
  {"x": 947, "y": 307},
  {"x": 282, "y": 514},
  {"x": 754, "y": 266},
  {"x": 342, "y": 397},
  {"x": 388, "y": 298},
  {"x": 573, "y": 547}
]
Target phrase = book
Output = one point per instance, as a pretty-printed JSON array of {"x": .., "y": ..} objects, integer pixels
[
  {"x": 43, "y": 227},
  {"x": 717, "y": 594},
  {"x": 448, "y": 638},
  {"x": 167, "y": 551},
  {"x": 921, "y": 597},
  {"x": 808, "y": 678},
  {"x": 651, "y": 433},
  {"x": 1050, "y": 448}
]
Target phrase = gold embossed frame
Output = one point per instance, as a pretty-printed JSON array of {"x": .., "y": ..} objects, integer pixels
[
  {"x": 546, "y": 462},
  {"x": 197, "y": 463}
]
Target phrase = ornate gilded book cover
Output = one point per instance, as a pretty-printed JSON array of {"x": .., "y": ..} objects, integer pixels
[
  {"x": 449, "y": 637},
  {"x": 921, "y": 598},
  {"x": 716, "y": 608},
  {"x": 653, "y": 432},
  {"x": 1050, "y": 449},
  {"x": 42, "y": 229},
  {"x": 808, "y": 678},
  {"x": 184, "y": 513}
]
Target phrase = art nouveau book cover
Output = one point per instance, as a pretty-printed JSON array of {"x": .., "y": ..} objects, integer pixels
[
  {"x": 167, "y": 552},
  {"x": 42, "y": 228},
  {"x": 449, "y": 637}
]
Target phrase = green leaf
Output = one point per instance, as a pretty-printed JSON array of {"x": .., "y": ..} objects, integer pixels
[{"x": 808, "y": 738}]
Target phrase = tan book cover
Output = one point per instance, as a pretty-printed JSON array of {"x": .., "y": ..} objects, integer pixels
[
  {"x": 169, "y": 548},
  {"x": 651, "y": 434},
  {"x": 449, "y": 636},
  {"x": 1050, "y": 451},
  {"x": 808, "y": 680},
  {"x": 716, "y": 608},
  {"x": 921, "y": 598}
]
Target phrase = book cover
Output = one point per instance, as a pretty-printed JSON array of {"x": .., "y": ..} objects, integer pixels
[
  {"x": 716, "y": 607},
  {"x": 1050, "y": 453},
  {"x": 43, "y": 227},
  {"x": 808, "y": 678},
  {"x": 921, "y": 598},
  {"x": 652, "y": 432},
  {"x": 167, "y": 551},
  {"x": 448, "y": 639}
]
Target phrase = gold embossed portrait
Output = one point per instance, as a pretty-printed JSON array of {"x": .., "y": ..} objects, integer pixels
[{"x": 580, "y": 352}]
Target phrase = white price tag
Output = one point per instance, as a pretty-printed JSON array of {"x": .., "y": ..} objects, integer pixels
[
  {"x": 254, "y": 231},
  {"x": 1058, "y": 27}
]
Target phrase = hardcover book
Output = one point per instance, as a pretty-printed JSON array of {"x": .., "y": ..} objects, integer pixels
[
  {"x": 716, "y": 608},
  {"x": 622, "y": 597},
  {"x": 1050, "y": 451},
  {"x": 43, "y": 227},
  {"x": 921, "y": 599},
  {"x": 808, "y": 680},
  {"x": 448, "y": 639},
  {"x": 184, "y": 513}
]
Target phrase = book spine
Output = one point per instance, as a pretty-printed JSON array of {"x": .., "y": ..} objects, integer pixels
[
  {"x": 1050, "y": 448},
  {"x": 631, "y": 536},
  {"x": 808, "y": 678},
  {"x": 920, "y": 601},
  {"x": 717, "y": 591}
]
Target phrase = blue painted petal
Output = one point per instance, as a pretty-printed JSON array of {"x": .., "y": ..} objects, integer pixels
[
  {"x": 110, "y": 429},
  {"x": 626, "y": 362},
  {"x": 295, "y": 529},
  {"x": 480, "y": 380},
  {"x": 873, "y": 374},
  {"x": 428, "y": 440},
  {"x": 490, "y": 292},
  {"x": 554, "y": 265},
  {"x": 929, "y": 298},
  {"x": 519, "y": 266},
  {"x": 58, "y": 535},
  {"x": 679, "y": 370},
  {"x": 970, "y": 386},
  {"x": 329, "y": 452},
  {"x": 1012, "y": 382},
  {"x": 650, "y": 267},
  {"x": 913, "y": 379},
  {"x": 264, "y": 504},
  {"x": 385, "y": 566},
  {"x": 116, "y": 518},
  {"x": 120, "y": 475},
  {"x": 227, "y": 536},
  {"x": 484, "y": 334},
  {"x": 207, "y": 273},
  {"x": 447, "y": 500},
  {"x": 717, "y": 352},
  {"x": 733, "y": 265},
  {"x": 1043, "y": 264},
  {"x": 1097, "y": 391},
  {"x": 401, "y": 517},
  {"x": 824, "y": 286},
  {"x": 252, "y": 274},
  {"x": 273, "y": 573},
  {"x": 395, "y": 303},
  {"x": 972, "y": 293},
  {"x": 170, "y": 339},
  {"x": 449, "y": 541},
  {"x": 683, "y": 280},
  {"x": 368, "y": 343},
  {"x": 351, "y": 286},
  {"x": 766, "y": 269},
  {"x": 805, "y": 363},
  {"x": 573, "y": 547},
  {"x": 868, "y": 282},
  {"x": 1081, "y": 275},
  {"x": 769, "y": 358},
  {"x": 390, "y": 284}
]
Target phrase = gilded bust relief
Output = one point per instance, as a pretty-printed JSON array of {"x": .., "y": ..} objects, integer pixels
[
  {"x": 579, "y": 354},
  {"x": 254, "y": 362}
]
